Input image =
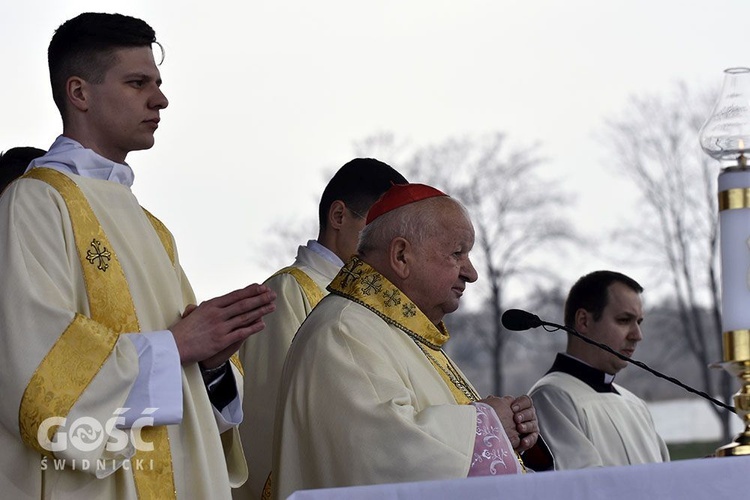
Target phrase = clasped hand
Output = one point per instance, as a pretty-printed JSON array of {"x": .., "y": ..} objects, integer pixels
[
  {"x": 214, "y": 330},
  {"x": 518, "y": 417}
]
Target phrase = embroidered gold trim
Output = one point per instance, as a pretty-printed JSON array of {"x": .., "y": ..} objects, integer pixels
[
  {"x": 235, "y": 359},
  {"x": 267, "y": 492},
  {"x": 105, "y": 290},
  {"x": 88, "y": 343},
  {"x": 163, "y": 233},
  {"x": 462, "y": 393},
  {"x": 312, "y": 292},
  {"x": 111, "y": 308},
  {"x": 359, "y": 282}
]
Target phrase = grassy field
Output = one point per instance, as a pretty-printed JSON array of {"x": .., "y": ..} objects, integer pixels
[{"x": 698, "y": 449}]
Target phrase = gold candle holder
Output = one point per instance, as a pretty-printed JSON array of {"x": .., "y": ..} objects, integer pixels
[
  {"x": 734, "y": 210},
  {"x": 723, "y": 137},
  {"x": 736, "y": 347}
]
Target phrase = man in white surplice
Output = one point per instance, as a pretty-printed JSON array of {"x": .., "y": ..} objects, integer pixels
[{"x": 587, "y": 419}]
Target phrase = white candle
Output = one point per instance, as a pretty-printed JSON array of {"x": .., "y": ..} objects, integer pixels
[{"x": 734, "y": 227}]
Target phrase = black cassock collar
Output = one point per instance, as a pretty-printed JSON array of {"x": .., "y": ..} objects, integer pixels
[{"x": 595, "y": 378}]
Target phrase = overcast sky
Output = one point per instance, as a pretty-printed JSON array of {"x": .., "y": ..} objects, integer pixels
[{"x": 266, "y": 97}]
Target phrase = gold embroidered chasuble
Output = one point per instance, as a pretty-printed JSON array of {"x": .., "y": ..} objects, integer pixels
[
  {"x": 367, "y": 396},
  {"x": 298, "y": 288},
  {"x": 359, "y": 282},
  {"x": 112, "y": 307},
  {"x": 88, "y": 264}
]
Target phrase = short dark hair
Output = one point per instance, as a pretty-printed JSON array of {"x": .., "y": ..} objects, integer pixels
[
  {"x": 590, "y": 292},
  {"x": 14, "y": 161},
  {"x": 85, "y": 47},
  {"x": 359, "y": 184}
]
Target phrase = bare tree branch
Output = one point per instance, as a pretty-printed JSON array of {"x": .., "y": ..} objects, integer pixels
[{"x": 655, "y": 144}]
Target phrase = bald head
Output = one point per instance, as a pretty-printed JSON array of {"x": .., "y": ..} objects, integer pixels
[{"x": 423, "y": 249}]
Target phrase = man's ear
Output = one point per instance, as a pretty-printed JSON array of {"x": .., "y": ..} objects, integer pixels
[
  {"x": 336, "y": 214},
  {"x": 399, "y": 257},
  {"x": 76, "y": 90},
  {"x": 583, "y": 320}
]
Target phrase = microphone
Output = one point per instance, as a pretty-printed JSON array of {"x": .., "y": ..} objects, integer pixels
[{"x": 518, "y": 320}]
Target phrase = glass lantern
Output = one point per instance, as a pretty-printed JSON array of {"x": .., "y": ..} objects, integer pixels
[{"x": 726, "y": 134}]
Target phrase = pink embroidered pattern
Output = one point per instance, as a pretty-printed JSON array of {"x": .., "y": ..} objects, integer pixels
[{"x": 493, "y": 454}]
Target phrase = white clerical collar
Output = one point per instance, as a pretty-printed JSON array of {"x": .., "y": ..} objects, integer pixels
[
  {"x": 324, "y": 252},
  {"x": 67, "y": 155}
]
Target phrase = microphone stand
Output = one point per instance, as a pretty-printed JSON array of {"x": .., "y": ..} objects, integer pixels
[{"x": 551, "y": 327}]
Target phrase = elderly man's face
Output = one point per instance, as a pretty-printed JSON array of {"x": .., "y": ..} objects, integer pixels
[{"x": 442, "y": 268}]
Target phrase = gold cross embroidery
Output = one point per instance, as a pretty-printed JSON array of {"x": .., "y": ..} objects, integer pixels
[
  {"x": 409, "y": 310},
  {"x": 348, "y": 272},
  {"x": 391, "y": 297},
  {"x": 371, "y": 283},
  {"x": 100, "y": 254}
]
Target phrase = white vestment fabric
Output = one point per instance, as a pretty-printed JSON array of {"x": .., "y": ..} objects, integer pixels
[
  {"x": 44, "y": 289},
  {"x": 359, "y": 403},
  {"x": 586, "y": 428},
  {"x": 263, "y": 357}
]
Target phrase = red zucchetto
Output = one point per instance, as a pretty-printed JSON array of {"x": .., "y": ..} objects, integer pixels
[{"x": 399, "y": 195}]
